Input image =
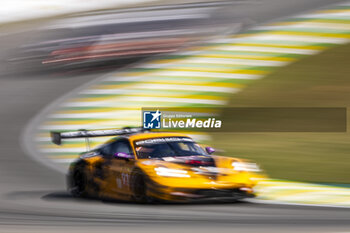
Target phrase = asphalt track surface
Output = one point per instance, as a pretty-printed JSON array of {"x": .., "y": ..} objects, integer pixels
[{"x": 33, "y": 197}]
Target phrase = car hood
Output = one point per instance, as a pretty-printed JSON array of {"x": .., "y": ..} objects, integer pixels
[
  {"x": 192, "y": 161},
  {"x": 182, "y": 162}
]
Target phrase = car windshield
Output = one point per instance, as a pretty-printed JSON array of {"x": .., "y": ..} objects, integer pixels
[{"x": 167, "y": 147}]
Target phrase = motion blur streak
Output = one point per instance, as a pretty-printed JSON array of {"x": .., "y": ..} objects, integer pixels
[
  {"x": 32, "y": 196},
  {"x": 125, "y": 34},
  {"x": 116, "y": 50}
]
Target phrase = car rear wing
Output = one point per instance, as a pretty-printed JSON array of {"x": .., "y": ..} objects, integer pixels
[{"x": 56, "y": 137}]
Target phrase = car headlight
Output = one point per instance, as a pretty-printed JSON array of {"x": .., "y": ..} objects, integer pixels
[
  {"x": 246, "y": 167},
  {"x": 163, "y": 171}
]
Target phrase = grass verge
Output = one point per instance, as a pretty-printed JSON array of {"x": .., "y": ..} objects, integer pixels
[{"x": 317, "y": 81}]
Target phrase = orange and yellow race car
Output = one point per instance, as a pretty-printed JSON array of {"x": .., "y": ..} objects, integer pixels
[{"x": 144, "y": 166}]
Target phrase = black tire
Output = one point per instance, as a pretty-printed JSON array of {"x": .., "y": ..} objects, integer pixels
[
  {"x": 139, "y": 187},
  {"x": 79, "y": 182}
]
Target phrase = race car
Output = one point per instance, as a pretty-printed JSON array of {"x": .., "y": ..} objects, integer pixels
[{"x": 144, "y": 166}]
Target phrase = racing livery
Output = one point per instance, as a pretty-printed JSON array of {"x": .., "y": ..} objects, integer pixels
[{"x": 144, "y": 166}]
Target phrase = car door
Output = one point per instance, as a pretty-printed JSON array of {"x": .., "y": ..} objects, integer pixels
[{"x": 120, "y": 169}]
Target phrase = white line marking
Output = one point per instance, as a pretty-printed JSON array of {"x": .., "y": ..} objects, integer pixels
[
  {"x": 124, "y": 78},
  {"x": 325, "y": 15},
  {"x": 313, "y": 25},
  {"x": 206, "y": 74},
  {"x": 301, "y": 38},
  {"x": 233, "y": 61},
  {"x": 104, "y": 91},
  {"x": 268, "y": 49},
  {"x": 260, "y": 201},
  {"x": 307, "y": 187},
  {"x": 194, "y": 88},
  {"x": 177, "y": 100},
  {"x": 125, "y": 101},
  {"x": 88, "y": 126},
  {"x": 108, "y": 114},
  {"x": 297, "y": 38},
  {"x": 63, "y": 150}
]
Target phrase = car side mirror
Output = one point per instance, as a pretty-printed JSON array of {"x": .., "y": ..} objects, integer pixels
[
  {"x": 121, "y": 155},
  {"x": 210, "y": 150}
]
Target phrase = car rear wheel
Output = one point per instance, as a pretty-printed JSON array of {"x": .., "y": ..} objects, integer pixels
[{"x": 79, "y": 183}]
